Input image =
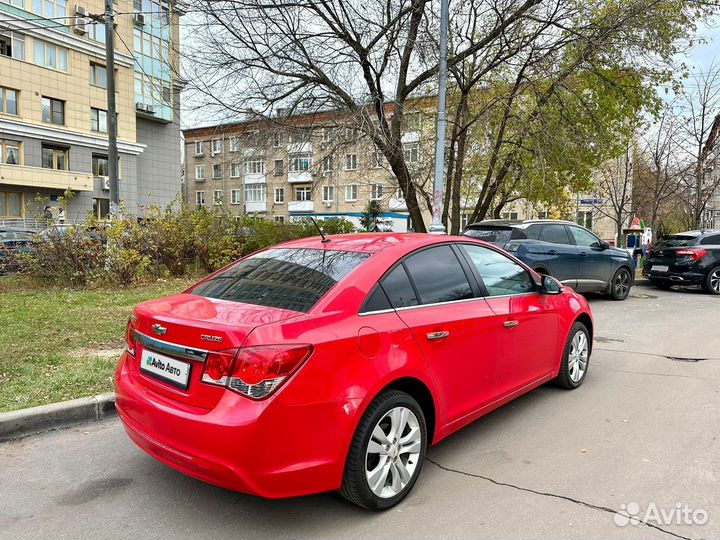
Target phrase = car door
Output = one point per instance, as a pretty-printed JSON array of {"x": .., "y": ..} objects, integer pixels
[
  {"x": 529, "y": 320},
  {"x": 595, "y": 263},
  {"x": 435, "y": 294},
  {"x": 562, "y": 254}
]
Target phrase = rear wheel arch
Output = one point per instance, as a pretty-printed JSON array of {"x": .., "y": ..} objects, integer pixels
[{"x": 419, "y": 391}]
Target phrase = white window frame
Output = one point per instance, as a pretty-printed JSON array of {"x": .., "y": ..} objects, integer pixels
[
  {"x": 351, "y": 193},
  {"x": 217, "y": 167},
  {"x": 216, "y": 147},
  {"x": 199, "y": 172},
  {"x": 411, "y": 152},
  {"x": 328, "y": 193},
  {"x": 277, "y": 140},
  {"x": 254, "y": 166},
  {"x": 351, "y": 162},
  {"x": 279, "y": 191},
  {"x": 307, "y": 193},
  {"x": 235, "y": 196},
  {"x": 235, "y": 169},
  {"x": 377, "y": 192},
  {"x": 235, "y": 144},
  {"x": 378, "y": 160},
  {"x": 280, "y": 219},
  {"x": 328, "y": 163},
  {"x": 199, "y": 198},
  {"x": 199, "y": 148},
  {"x": 217, "y": 197},
  {"x": 255, "y": 193},
  {"x": 296, "y": 159}
]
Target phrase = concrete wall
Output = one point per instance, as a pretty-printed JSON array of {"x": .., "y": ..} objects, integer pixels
[{"x": 160, "y": 164}]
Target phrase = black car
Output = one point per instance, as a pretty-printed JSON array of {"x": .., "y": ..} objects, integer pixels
[
  {"x": 689, "y": 258},
  {"x": 564, "y": 250},
  {"x": 12, "y": 241}
]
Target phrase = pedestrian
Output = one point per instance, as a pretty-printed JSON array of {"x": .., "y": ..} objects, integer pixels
[
  {"x": 47, "y": 215},
  {"x": 61, "y": 216}
]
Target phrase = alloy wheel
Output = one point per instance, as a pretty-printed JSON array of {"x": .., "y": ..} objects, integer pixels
[
  {"x": 393, "y": 452},
  {"x": 578, "y": 356},
  {"x": 622, "y": 284},
  {"x": 715, "y": 281}
]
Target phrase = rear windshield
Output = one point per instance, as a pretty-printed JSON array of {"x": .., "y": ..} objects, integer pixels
[
  {"x": 496, "y": 235},
  {"x": 293, "y": 279},
  {"x": 676, "y": 240}
]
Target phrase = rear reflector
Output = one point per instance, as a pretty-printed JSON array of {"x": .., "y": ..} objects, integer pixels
[
  {"x": 130, "y": 338},
  {"x": 255, "y": 372},
  {"x": 695, "y": 254}
]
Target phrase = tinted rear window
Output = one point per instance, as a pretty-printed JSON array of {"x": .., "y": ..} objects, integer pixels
[
  {"x": 555, "y": 234},
  {"x": 713, "y": 240},
  {"x": 293, "y": 279},
  {"x": 494, "y": 235},
  {"x": 676, "y": 240}
]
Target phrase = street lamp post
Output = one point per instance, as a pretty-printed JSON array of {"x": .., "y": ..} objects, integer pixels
[{"x": 437, "y": 226}]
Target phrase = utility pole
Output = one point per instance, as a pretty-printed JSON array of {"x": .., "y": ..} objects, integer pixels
[
  {"x": 437, "y": 226},
  {"x": 112, "y": 116}
]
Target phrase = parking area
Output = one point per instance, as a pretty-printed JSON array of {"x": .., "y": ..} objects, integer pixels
[{"x": 641, "y": 433}]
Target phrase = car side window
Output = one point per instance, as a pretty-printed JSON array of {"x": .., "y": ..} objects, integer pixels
[
  {"x": 500, "y": 275},
  {"x": 584, "y": 238},
  {"x": 438, "y": 275},
  {"x": 377, "y": 301},
  {"x": 711, "y": 240},
  {"x": 555, "y": 234},
  {"x": 398, "y": 288},
  {"x": 532, "y": 232}
]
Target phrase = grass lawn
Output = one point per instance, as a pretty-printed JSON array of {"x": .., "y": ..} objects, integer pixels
[{"x": 58, "y": 344}]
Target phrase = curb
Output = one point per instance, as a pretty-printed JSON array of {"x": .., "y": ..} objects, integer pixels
[{"x": 24, "y": 422}]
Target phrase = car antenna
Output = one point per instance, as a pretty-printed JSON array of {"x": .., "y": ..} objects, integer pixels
[{"x": 324, "y": 239}]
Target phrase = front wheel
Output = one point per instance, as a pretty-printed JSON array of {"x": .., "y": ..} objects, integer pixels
[
  {"x": 620, "y": 285},
  {"x": 576, "y": 358},
  {"x": 386, "y": 453},
  {"x": 712, "y": 281}
]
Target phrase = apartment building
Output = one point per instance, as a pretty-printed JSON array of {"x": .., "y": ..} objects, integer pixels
[
  {"x": 308, "y": 165},
  {"x": 53, "y": 106}
]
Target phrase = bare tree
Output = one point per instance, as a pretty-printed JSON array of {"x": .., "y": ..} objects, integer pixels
[{"x": 613, "y": 183}]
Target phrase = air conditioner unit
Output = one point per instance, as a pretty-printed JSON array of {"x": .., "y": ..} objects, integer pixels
[
  {"x": 327, "y": 204},
  {"x": 140, "y": 106},
  {"x": 106, "y": 183},
  {"x": 139, "y": 19},
  {"x": 81, "y": 20}
]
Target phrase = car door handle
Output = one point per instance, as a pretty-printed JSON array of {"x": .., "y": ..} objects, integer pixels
[
  {"x": 583, "y": 253},
  {"x": 511, "y": 324},
  {"x": 552, "y": 252},
  {"x": 438, "y": 335}
]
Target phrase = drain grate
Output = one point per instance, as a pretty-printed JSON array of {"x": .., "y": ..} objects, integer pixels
[{"x": 682, "y": 359}]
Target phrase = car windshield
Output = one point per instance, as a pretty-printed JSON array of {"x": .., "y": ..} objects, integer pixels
[
  {"x": 676, "y": 240},
  {"x": 292, "y": 279}
]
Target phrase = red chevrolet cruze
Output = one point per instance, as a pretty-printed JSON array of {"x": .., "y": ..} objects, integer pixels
[{"x": 322, "y": 365}]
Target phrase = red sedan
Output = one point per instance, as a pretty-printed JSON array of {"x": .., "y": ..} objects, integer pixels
[{"x": 315, "y": 366}]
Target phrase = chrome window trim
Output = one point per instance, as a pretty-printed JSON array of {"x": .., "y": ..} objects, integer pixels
[
  {"x": 464, "y": 300},
  {"x": 172, "y": 349}
]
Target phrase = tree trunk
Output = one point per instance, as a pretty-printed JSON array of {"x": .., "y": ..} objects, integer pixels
[{"x": 456, "y": 179}]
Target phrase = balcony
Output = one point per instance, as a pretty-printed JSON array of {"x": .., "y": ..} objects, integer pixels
[
  {"x": 38, "y": 177},
  {"x": 299, "y": 177},
  {"x": 255, "y": 207},
  {"x": 299, "y": 147},
  {"x": 301, "y": 206},
  {"x": 254, "y": 178},
  {"x": 396, "y": 204}
]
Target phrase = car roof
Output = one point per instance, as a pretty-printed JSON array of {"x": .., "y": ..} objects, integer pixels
[
  {"x": 369, "y": 242},
  {"x": 696, "y": 232},
  {"x": 516, "y": 222}
]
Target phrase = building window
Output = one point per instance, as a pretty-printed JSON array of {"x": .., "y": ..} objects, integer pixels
[
  {"x": 377, "y": 191},
  {"x": 199, "y": 172},
  {"x": 277, "y": 139},
  {"x": 280, "y": 219},
  {"x": 100, "y": 166},
  {"x": 234, "y": 170},
  {"x": 278, "y": 169},
  {"x": 11, "y": 204},
  {"x": 411, "y": 152},
  {"x": 328, "y": 193},
  {"x": 12, "y": 44},
  {"x": 98, "y": 74},
  {"x": 96, "y": 32},
  {"x": 16, "y": 3},
  {"x": 234, "y": 196},
  {"x": 543, "y": 215},
  {"x": 98, "y": 120},
  {"x": 509, "y": 215},
  {"x": 350, "y": 162},
  {"x": 300, "y": 162},
  {"x": 199, "y": 151},
  {"x": 411, "y": 121},
  {"x": 216, "y": 171},
  {"x": 378, "y": 160},
  {"x": 279, "y": 195},
  {"x": 254, "y": 166},
  {"x": 327, "y": 135},
  {"x": 328, "y": 163},
  {"x": 8, "y": 100},
  {"x": 585, "y": 218},
  {"x": 302, "y": 193},
  {"x": 217, "y": 197},
  {"x": 464, "y": 220},
  {"x": 200, "y": 198},
  {"x": 53, "y": 111},
  {"x": 51, "y": 56},
  {"x": 10, "y": 152},
  {"x": 255, "y": 193},
  {"x": 55, "y": 158},
  {"x": 216, "y": 147},
  {"x": 50, "y": 8},
  {"x": 351, "y": 133},
  {"x": 234, "y": 144},
  {"x": 351, "y": 192}
]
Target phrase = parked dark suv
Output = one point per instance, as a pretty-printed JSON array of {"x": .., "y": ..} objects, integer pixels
[
  {"x": 689, "y": 258},
  {"x": 564, "y": 250}
]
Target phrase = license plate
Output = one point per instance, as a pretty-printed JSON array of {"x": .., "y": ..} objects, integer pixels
[
  {"x": 659, "y": 268},
  {"x": 163, "y": 367}
]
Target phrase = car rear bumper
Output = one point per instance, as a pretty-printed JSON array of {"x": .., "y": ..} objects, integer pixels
[
  {"x": 677, "y": 276},
  {"x": 257, "y": 447}
]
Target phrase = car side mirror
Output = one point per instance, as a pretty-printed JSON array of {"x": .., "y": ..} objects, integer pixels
[
  {"x": 604, "y": 245},
  {"x": 549, "y": 285}
]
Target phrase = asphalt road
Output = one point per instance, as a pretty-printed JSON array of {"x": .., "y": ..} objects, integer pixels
[{"x": 643, "y": 429}]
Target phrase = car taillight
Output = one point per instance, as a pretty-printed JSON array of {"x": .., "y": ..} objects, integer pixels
[
  {"x": 130, "y": 337},
  {"x": 255, "y": 372},
  {"x": 511, "y": 248},
  {"x": 694, "y": 254}
]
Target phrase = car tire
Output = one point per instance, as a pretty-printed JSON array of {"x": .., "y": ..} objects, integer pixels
[
  {"x": 620, "y": 284},
  {"x": 665, "y": 285},
  {"x": 574, "y": 364},
  {"x": 711, "y": 283},
  {"x": 376, "y": 453}
]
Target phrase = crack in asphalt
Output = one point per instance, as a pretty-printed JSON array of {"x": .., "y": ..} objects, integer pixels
[
  {"x": 657, "y": 355},
  {"x": 672, "y": 375},
  {"x": 554, "y": 496}
]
